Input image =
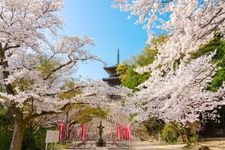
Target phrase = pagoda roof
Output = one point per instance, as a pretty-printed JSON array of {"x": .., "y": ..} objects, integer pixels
[
  {"x": 111, "y": 70},
  {"x": 113, "y": 78},
  {"x": 114, "y": 66},
  {"x": 113, "y": 81}
]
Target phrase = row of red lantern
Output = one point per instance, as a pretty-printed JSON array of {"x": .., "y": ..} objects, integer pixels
[
  {"x": 63, "y": 127},
  {"x": 123, "y": 132}
]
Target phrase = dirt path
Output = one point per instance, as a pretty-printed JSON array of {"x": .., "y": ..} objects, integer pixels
[{"x": 213, "y": 145}]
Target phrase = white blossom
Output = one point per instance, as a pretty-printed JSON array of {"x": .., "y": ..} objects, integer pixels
[{"x": 177, "y": 93}]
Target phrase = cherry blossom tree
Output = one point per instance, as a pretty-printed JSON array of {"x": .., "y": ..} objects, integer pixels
[
  {"x": 35, "y": 61},
  {"x": 189, "y": 23},
  {"x": 180, "y": 96},
  {"x": 177, "y": 88}
]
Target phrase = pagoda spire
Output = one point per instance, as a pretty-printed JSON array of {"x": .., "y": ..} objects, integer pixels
[{"x": 118, "y": 56}]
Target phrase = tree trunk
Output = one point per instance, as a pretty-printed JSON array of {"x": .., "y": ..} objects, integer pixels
[{"x": 18, "y": 132}]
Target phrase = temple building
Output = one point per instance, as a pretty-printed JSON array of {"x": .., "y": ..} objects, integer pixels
[{"x": 113, "y": 79}]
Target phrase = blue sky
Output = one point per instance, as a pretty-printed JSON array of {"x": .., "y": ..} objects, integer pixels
[{"x": 110, "y": 30}]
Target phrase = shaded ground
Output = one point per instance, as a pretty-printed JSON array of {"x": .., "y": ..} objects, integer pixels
[{"x": 213, "y": 145}]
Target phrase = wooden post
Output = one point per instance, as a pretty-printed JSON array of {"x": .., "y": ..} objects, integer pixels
[{"x": 46, "y": 146}]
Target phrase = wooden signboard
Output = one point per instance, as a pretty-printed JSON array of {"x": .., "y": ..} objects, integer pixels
[{"x": 51, "y": 137}]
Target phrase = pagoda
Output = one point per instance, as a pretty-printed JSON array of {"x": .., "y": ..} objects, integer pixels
[{"x": 113, "y": 79}]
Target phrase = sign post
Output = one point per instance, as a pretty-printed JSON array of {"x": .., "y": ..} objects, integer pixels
[{"x": 51, "y": 137}]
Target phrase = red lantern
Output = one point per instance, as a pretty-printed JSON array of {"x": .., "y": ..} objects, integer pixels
[
  {"x": 61, "y": 128},
  {"x": 83, "y": 132},
  {"x": 67, "y": 132},
  {"x": 124, "y": 132},
  {"x": 118, "y": 128},
  {"x": 128, "y": 133}
]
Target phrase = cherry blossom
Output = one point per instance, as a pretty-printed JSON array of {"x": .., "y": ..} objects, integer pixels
[
  {"x": 177, "y": 92},
  {"x": 36, "y": 60}
]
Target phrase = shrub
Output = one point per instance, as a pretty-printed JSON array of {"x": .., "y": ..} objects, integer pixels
[
  {"x": 176, "y": 132},
  {"x": 154, "y": 126},
  {"x": 34, "y": 141},
  {"x": 194, "y": 138},
  {"x": 5, "y": 136},
  {"x": 5, "y": 128},
  {"x": 170, "y": 132}
]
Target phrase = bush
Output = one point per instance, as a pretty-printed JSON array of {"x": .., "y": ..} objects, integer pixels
[
  {"x": 175, "y": 132},
  {"x": 31, "y": 141},
  {"x": 5, "y": 136},
  {"x": 154, "y": 126},
  {"x": 5, "y": 128},
  {"x": 192, "y": 131},
  {"x": 34, "y": 141},
  {"x": 170, "y": 133},
  {"x": 194, "y": 138}
]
